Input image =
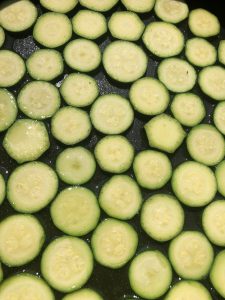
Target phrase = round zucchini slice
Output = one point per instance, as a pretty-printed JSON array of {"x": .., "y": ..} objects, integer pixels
[
  {"x": 8, "y": 109},
  {"x": 220, "y": 177},
  {"x": 2, "y": 188},
  {"x": 67, "y": 263},
  {"x": 31, "y": 187},
  {"x": 103, "y": 5},
  {"x": 221, "y": 52},
  {"x": 60, "y": 6},
  {"x": 21, "y": 239},
  {"x": 217, "y": 275},
  {"x": 2, "y": 36},
  {"x": 124, "y": 61},
  {"x": 139, "y": 6},
  {"x": 83, "y": 294},
  {"x": 219, "y": 117}
]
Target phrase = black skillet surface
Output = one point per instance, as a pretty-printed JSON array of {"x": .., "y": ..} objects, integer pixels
[{"x": 112, "y": 284}]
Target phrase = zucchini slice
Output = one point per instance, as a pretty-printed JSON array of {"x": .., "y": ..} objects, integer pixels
[
  {"x": 89, "y": 24},
  {"x": 67, "y": 263},
  {"x": 39, "y": 100},
  {"x": 111, "y": 114},
  {"x": 79, "y": 90},
  {"x": 220, "y": 177},
  {"x": 120, "y": 197},
  {"x": 12, "y": 68},
  {"x": 8, "y": 109},
  {"x": 31, "y": 187},
  {"x": 26, "y": 140},
  {"x": 114, "y": 154},
  {"x": 188, "y": 109},
  {"x": 213, "y": 222},
  {"x": 177, "y": 75},
  {"x": 124, "y": 61},
  {"x": 75, "y": 165},
  {"x": 150, "y": 274},
  {"x": 52, "y": 30},
  {"x": 103, "y": 5},
  {"x": 217, "y": 275},
  {"x": 163, "y": 39},
  {"x": 219, "y": 117},
  {"x": 21, "y": 239},
  {"x": 203, "y": 23},
  {"x": 45, "y": 64},
  {"x": 164, "y": 133},
  {"x": 75, "y": 211},
  {"x": 126, "y": 25},
  {"x": 206, "y": 144},
  {"x": 82, "y": 55},
  {"x": 16, "y": 15},
  {"x": 162, "y": 217},
  {"x": 114, "y": 243},
  {"x": 152, "y": 169},
  {"x": 211, "y": 81},
  {"x": 2, "y": 188},
  {"x": 139, "y": 6},
  {"x": 171, "y": 11},
  {"x": 200, "y": 52},
  {"x": 149, "y": 96},
  {"x": 194, "y": 184},
  {"x": 2, "y": 36},
  {"x": 70, "y": 125},
  {"x": 221, "y": 52},
  {"x": 83, "y": 294},
  {"x": 188, "y": 289},
  {"x": 60, "y": 6},
  {"x": 25, "y": 285},
  {"x": 191, "y": 255}
]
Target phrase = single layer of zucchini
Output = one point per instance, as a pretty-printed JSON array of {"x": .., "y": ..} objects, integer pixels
[
  {"x": 120, "y": 197},
  {"x": 191, "y": 255},
  {"x": 139, "y": 6},
  {"x": 194, "y": 184},
  {"x": 21, "y": 239},
  {"x": 8, "y": 109},
  {"x": 83, "y": 294},
  {"x": 177, "y": 75},
  {"x": 45, "y": 64},
  {"x": 75, "y": 165},
  {"x": 89, "y": 24},
  {"x": 149, "y": 96},
  {"x": 111, "y": 114},
  {"x": 75, "y": 211},
  {"x": 165, "y": 133},
  {"x": 52, "y": 30},
  {"x": 188, "y": 289},
  {"x": 114, "y": 154},
  {"x": 203, "y": 23},
  {"x": 31, "y": 187},
  {"x": 60, "y": 6},
  {"x": 152, "y": 169},
  {"x": 124, "y": 61},
  {"x": 67, "y": 263},
  {"x": 206, "y": 144},
  {"x": 16, "y": 15},
  {"x": 82, "y": 55},
  {"x": 70, "y": 125},
  {"x": 25, "y": 285},
  {"x": 221, "y": 52},
  {"x": 211, "y": 81},
  {"x": 12, "y": 68},
  {"x": 217, "y": 275},
  {"x": 79, "y": 90},
  {"x": 26, "y": 140},
  {"x": 2, "y": 189},
  {"x": 163, "y": 39},
  {"x": 220, "y": 177},
  {"x": 126, "y": 25},
  {"x": 162, "y": 217},
  {"x": 103, "y": 5},
  {"x": 39, "y": 100},
  {"x": 219, "y": 117},
  {"x": 171, "y": 11},
  {"x": 150, "y": 274},
  {"x": 213, "y": 222},
  {"x": 188, "y": 109},
  {"x": 200, "y": 52},
  {"x": 2, "y": 36},
  {"x": 114, "y": 243}
]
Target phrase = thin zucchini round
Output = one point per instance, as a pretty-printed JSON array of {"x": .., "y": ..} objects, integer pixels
[
  {"x": 2, "y": 189},
  {"x": 221, "y": 52},
  {"x": 103, "y": 5},
  {"x": 2, "y": 36},
  {"x": 8, "y": 109},
  {"x": 60, "y": 6},
  {"x": 83, "y": 294},
  {"x": 217, "y": 275},
  {"x": 139, "y": 6},
  {"x": 220, "y": 177},
  {"x": 219, "y": 117}
]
